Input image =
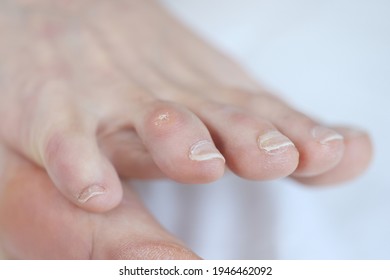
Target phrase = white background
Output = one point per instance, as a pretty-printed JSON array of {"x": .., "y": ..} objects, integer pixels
[{"x": 331, "y": 59}]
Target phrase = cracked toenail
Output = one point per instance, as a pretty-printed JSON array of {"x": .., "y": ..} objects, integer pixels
[
  {"x": 325, "y": 135},
  {"x": 204, "y": 150},
  {"x": 90, "y": 192},
  {"x": 274, "y": 142}
]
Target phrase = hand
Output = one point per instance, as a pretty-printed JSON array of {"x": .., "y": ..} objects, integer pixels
[{"x": 38, "y": 222}]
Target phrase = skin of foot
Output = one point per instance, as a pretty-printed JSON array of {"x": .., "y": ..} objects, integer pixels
[{"x": 98, "y": 91}]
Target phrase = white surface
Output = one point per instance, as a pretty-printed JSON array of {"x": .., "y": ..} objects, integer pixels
[{"x": 330, "y": 58}]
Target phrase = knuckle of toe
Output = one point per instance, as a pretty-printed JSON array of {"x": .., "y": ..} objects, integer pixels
[
  {"x": 58, "y": 148},
  {"x": 52, "y": 147}
]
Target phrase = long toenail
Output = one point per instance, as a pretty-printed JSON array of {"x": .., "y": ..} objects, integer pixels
[
  {"x": 90, "y": 192},
  {"x": 274, "y": 142},
  {"x": 325, "y": 135},
  {"x": 204, "y": 150}
]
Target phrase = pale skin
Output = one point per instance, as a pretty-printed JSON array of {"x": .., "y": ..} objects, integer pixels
[{"x": 93, "y": 92}]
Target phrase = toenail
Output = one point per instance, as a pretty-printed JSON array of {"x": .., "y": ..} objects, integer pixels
[
  {"x": 90, "y": 192},
  {"x": 204, "y": 150},
  {"x": 325, "y": 135},
  {"x": 274, "y": 142}
]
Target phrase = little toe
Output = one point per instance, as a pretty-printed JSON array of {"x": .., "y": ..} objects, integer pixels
[
  {"x": 320, "y": 148},
  {"x": 179, "y": 143},
  {"x": 356, "y": 158}
]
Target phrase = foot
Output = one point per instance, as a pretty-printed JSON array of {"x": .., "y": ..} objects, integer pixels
[
  {"x": 94, "y": 88},
  {"x": 37, "y": 222}
]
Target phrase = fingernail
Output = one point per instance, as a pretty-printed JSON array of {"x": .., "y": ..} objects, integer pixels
[
  {"x": 204, "y": 150},
  {"x": 90, "y": 192},
  {"x": 274, "y": 142},
  {"x": 325, "y": 135}
]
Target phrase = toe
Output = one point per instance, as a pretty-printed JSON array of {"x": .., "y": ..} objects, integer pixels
[
  {"x": 320, "y": 148},
  {"x": 129, "y": 155},
  {"x": 58, "y": 132},
  {"x": 254, "y": 149},
  {"x": 179, "y": 143},
  {"x": 356, "y": 158},
  {"x": 74, "y": 162}
]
